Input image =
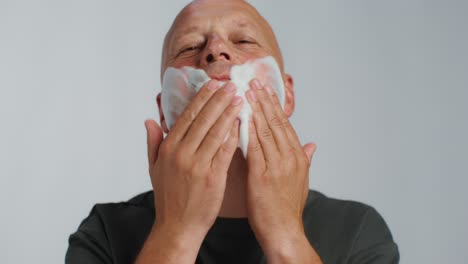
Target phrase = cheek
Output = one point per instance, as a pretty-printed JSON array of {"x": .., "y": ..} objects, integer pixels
[
  {"x": 182, "y": 63},
  {"x": 245, "y": 56}
]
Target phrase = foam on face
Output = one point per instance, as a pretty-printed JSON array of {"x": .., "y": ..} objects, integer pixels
[{"x": 180, "y": 85}]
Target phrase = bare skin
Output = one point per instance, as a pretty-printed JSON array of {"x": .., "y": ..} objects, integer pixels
[{"x": 195, "y": 176}]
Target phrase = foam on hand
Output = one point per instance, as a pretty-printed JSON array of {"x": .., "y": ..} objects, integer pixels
[{"x": 180, "y": 85}]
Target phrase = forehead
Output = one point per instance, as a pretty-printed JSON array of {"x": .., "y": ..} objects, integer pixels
[{"x": 207, "y": 14}]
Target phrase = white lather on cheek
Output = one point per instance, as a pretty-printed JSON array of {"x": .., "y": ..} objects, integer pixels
[{"x": 180, "y": 85}]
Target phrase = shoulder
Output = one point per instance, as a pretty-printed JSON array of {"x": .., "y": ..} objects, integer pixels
[
  {"x": 123, "y": 215},
  {"x": 142, "y": 201},
  {"x": 346, "y": 231},
  {"x": 105, "y": 233}
]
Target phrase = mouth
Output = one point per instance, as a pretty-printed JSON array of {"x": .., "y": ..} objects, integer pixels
[
  {"x": 219, "y": 71},
  {"x": 223, "y": 78}
]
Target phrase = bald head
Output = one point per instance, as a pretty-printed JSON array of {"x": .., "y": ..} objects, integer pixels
[{"x": 207, "y": 30}]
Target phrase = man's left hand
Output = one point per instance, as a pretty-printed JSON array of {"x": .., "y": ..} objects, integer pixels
[{"x": 278, "y": 176}]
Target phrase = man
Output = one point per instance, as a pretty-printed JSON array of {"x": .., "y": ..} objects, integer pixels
[{"x": 210, "y": 204}]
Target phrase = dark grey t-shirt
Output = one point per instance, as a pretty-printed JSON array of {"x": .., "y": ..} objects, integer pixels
[{"x": 340, "y": 231}]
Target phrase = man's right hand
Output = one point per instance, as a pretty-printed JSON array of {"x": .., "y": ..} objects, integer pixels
[{"x": 189, "y": 167}]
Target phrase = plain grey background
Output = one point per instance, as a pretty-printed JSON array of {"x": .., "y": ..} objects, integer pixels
[{"x": 381, "y": 88}]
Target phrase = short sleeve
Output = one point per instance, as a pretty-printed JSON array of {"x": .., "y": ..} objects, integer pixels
[
  {"x": 89, "y": 243},
  {"x": 374, "y": 242}
]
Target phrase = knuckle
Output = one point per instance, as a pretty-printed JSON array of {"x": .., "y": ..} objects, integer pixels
[
  {"x": 188, "y": 116},
  {"x": 265, "y": 132},
  {"x": 199, "y": 122},
  {"x": 226, "y": 148},
  {"x": 165, "y": 147},
  {"x": 204, "y": 95},
  {"x": 202, "y": 118},
  {"x": 211, "y": 181},
  {"x": 276, "y": 122},
  {"x": 214, "y": 135},
  {"x": 263, "y": 96},
  {"x": 256, "y": 147},
  {"x": 192, "y": 114},
  {"x": 275, "y": 101},
  {"x": 292, "y": 158},
  {"x": 285, "y": 122},
  {"x": 304, "y": 159},
  {"x": 290, "y": 153},
  {"x": 256, "y": 108}
]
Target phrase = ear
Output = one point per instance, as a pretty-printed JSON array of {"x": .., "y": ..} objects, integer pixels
[
  {"x": 161, "y": 114},
  {"x": 289, "y": 103}
]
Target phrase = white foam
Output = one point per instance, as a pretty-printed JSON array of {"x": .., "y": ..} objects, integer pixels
[{"x": 180, "y": 85}]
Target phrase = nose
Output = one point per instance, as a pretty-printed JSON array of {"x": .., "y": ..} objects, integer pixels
[{"x": 215, "y": 50}]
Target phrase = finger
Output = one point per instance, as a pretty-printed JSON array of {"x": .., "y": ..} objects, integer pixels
[
  {"x": 265, "y": 96},
  {"x": 208, "y": 116},
  {"x": 284, "y": 120},
  {"x": 309, "y": 150},
  {"x": 154, "y": 137},
  {"x": 216, "y": 135},
  {"x": 263, "y": 131},
  {"x": 255, "y": 156},
  {"x": 223, "y": 157},
  {"x": 197, "y": 103}
]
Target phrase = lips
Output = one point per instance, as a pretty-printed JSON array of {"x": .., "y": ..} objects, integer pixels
[
  {"x": 223, "y": 77},
  {"x": 219, "y": 71}
]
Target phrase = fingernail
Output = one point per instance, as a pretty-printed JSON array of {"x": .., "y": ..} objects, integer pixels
[
  {"x": 236, "y": 100},
  {"x": 230, "y": 87},
  {"x": 252, "y": 95},
  {"x": 257, "y": 84},
  {"x": 213, "y": 85},
  {"x": 269, "y": 90}
]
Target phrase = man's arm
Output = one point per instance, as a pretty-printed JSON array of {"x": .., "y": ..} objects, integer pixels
[
  {"x": 277, "y": 181},
  {"x": 188, "y": 171}
]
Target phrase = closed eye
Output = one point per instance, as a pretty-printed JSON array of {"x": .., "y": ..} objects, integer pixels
[
  {"x": 191, "y": 48},
  {"x": 244, "y": 42}
]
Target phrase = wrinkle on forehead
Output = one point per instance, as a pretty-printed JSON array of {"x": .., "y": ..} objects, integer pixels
[{"x": 193, "y": 9}]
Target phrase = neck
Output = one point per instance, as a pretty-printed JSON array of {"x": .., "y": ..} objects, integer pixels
[{"x": 234, "y": 205}]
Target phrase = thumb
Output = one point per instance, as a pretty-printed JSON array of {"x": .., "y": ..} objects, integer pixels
[
  {"x": 309, "y": 149},
  {"x": 154, "y": 137}
]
